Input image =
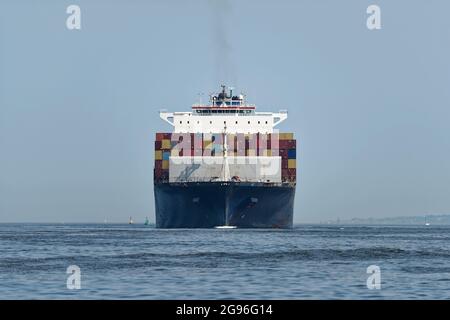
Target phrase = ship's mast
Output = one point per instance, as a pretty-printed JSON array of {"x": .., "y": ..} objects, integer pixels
[{"x": 225, "y": 167}]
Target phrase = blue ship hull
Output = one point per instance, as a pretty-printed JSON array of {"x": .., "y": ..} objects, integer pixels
[{"x": 211, "y": 204}]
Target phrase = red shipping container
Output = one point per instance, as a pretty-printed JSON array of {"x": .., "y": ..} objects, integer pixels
[
  {"x": 283, "y": 153},
  {"x": 158, "y": 164},
  {"x": 157, "y": 174},
  {"x": 282, "y": 144},
  {"x": 287, "y": 144},
  {"x": 284, "y": 163},
  {"x": 167, "y": 135},
  {"x": 273, "y": 143},
  {"x": 252, "y": 142},
  {"x": 197, "y": 141},
  {"x": 159, "y": 136},
  {"x": 160, "y": 174},
  {"x": 262, "y": 142},
  {"x": 273, "y": 136}
]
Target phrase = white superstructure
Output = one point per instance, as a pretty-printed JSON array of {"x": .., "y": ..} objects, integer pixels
[{"x": 225, "y": 113}]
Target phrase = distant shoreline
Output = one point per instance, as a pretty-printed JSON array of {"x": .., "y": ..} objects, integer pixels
[{"x": 358, "y": 222}]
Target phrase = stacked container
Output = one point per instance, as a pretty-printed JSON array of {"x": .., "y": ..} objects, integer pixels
[
  {"x": 163, "y": 148},
  {"x": 263, "y": 145}
]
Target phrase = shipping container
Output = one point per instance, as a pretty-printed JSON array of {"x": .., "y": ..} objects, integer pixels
[
  {"x": 166, "y": 144},
  {"x": 217, "y": 150},
  {"x": 166, "y": 155},
  {"x": 239, "y": 145},
  {"x": 273, "y": 143},
  {"x": 287, "y": 144},
  {"x": 207, "y": 145},
  {"x": 159, "y": 136},
  {"x": 186, "y": 153},
  {"x": 265, "y": 153},
  {"x": 286, "y": 136},
  {"x": 197, "y": 142},
  {"x": 291, "y": 163},
  {"x": 291, "y": 154},
  {"x": 283, "y": 153}
]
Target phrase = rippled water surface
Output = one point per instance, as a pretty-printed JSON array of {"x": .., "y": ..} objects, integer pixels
[{"x": 141, "y": 262}]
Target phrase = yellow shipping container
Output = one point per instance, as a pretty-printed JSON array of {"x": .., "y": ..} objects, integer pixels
[
  {"x": 291, "y": 164},
  {"x": 286, "y": 136},
  {"x": 266, "y": 153},
  {"x": 158, "y": 155},
  {"x": 250, "y": 153},
  {"x": 207, "y": 144},
  {"x": 165, "y": 164},
  {"x": 165, "y": 144}
]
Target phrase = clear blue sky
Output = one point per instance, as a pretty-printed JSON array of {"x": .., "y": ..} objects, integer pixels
[{"x": 78, "y": 109}]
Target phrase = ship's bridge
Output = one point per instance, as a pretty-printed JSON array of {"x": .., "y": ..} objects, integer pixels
[{"x": 225, "y": 113}]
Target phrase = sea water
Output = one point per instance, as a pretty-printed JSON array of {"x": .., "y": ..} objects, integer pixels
[{"x": 142, "y": 262}]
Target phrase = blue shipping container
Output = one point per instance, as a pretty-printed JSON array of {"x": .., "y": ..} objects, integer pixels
[
  {"x": 291, "y": 154},
  {"x": 166, "y": 155}
]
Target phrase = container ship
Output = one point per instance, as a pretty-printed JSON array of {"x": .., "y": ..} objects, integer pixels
[{"x": 224, "y": 165}]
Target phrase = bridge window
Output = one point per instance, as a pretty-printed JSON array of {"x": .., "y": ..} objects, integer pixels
[
  {"x": 249, "y": 122},
  {"x": 236, "y": 122}
]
